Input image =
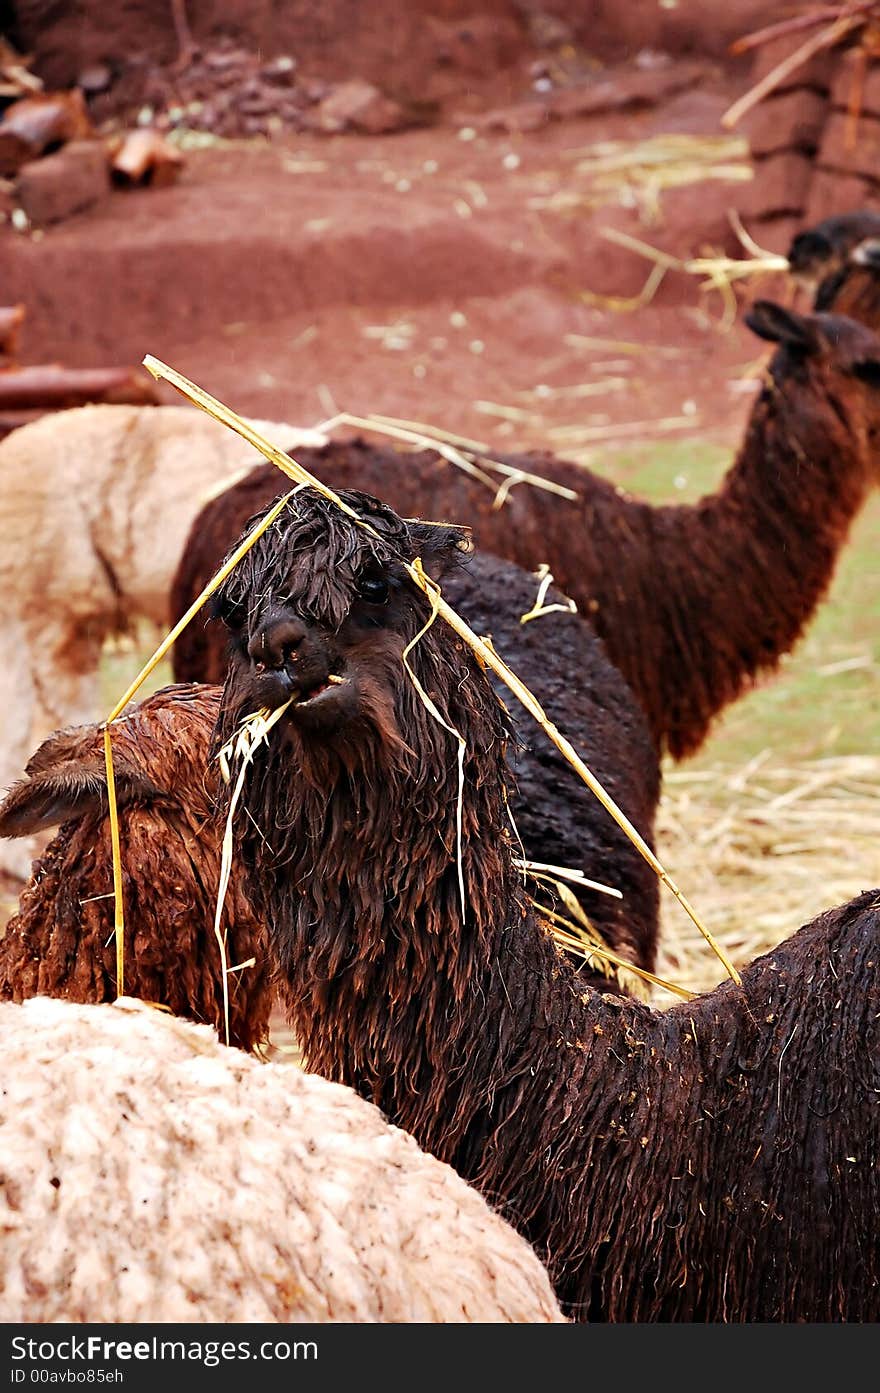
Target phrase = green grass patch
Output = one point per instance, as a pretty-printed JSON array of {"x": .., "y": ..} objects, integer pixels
[{"x": 668, "y": 471}]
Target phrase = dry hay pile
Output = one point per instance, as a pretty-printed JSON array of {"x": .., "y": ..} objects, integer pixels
[{"x": 762, "y": 849}]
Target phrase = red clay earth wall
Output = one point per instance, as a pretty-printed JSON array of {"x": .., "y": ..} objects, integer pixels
[{"x": 812, "y": 159}]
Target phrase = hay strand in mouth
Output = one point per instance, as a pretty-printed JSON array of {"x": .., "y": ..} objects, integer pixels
[
  {"x": 252, "y": 732},
  {"x": 481, "y": 647}
]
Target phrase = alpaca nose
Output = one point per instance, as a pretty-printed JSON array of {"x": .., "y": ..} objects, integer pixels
[{"x": 276, "y": 640}]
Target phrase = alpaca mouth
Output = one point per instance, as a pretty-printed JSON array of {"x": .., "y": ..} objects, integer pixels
[
  {"x": 296, "y": 688},
  {"x": 309, "y": 696}
]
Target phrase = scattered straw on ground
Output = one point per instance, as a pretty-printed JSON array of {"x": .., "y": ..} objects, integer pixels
[
  {"x": 767, "y": 847},
  {"x": 635, "y": 174},
  {"x": 717, "y": 272}
]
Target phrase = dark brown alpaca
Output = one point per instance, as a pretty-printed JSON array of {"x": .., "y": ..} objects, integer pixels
[
  {"x": 715, "y": 1162},
  {"x": 692, "y": 602},
  {"x": 837, "y": 261},
  {"x": 558, "y": 819},
  {"x": 61, "y": 941}
]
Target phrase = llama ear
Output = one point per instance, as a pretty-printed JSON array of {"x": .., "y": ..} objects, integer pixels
[
  {"x": 867, "y": 253},
  {"x": 441, "y": 545},
  {"x": 806, "y": 249},
  {"x": 70, "y": 789},
  {"x": 779, "y": 325}
]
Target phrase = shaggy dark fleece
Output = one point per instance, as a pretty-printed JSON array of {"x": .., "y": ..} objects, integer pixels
[
  {"x": 716, "y": 1162},
  {"x": 61, "y": 941},
  {"x": 693, "y": 602},
  {"x": 558, "y": 819}
]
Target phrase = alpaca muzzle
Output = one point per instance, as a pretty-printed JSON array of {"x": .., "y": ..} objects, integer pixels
[
  {"x": 277, "y": 639},
  {"x": 290, "y": 662}
]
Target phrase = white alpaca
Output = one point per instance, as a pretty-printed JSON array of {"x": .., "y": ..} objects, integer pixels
[
  {"x": 150, "y": 1173},
  {"x": 95, "y": 505}
]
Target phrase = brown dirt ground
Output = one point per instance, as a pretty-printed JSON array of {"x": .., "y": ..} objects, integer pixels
[
  {"x": 434, "y": 48},
  {"x": 414, "y": 274}
]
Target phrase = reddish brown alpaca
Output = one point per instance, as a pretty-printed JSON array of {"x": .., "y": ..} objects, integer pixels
[
  {"x": 61, "y": 941},
  {"x": 692, "y": 602}
]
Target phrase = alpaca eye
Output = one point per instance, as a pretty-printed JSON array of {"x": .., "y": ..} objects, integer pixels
[
  {"x": 229, "y": 612},
  {"x": 869, "y": 371},
  {"x": 374, "y": 589}
]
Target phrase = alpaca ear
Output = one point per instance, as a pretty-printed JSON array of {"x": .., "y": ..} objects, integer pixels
[
  {"x": 867, "y": 253},
  {"x": 441, "y": 545},
  {"x": 779, "y": 325},
  {"x": 70, "y": 789},
  {"x": 806, "y": 249}
]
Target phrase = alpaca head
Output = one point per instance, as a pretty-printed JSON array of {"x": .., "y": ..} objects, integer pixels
[
  {"x": 320, "y": 611},
  {"x": 159, "y": 748},
  {"x": 351, "y": 811},
  {"x": 823, "y": 250},
  {"x": 831, "y": 352}
]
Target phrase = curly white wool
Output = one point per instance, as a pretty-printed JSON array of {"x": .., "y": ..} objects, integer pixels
[
  {"x": 149, "y": 1173},
  {"x": 97, "y": 502}
]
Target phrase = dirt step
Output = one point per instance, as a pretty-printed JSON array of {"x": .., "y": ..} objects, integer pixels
[{"x": 205, "y": 263}]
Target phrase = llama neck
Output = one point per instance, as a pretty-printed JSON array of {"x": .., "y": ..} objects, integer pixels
[
  {"x": 727, "y": 585},
  {"x": 805, "y": 457},
  {"x": 785, "y": 508}
]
